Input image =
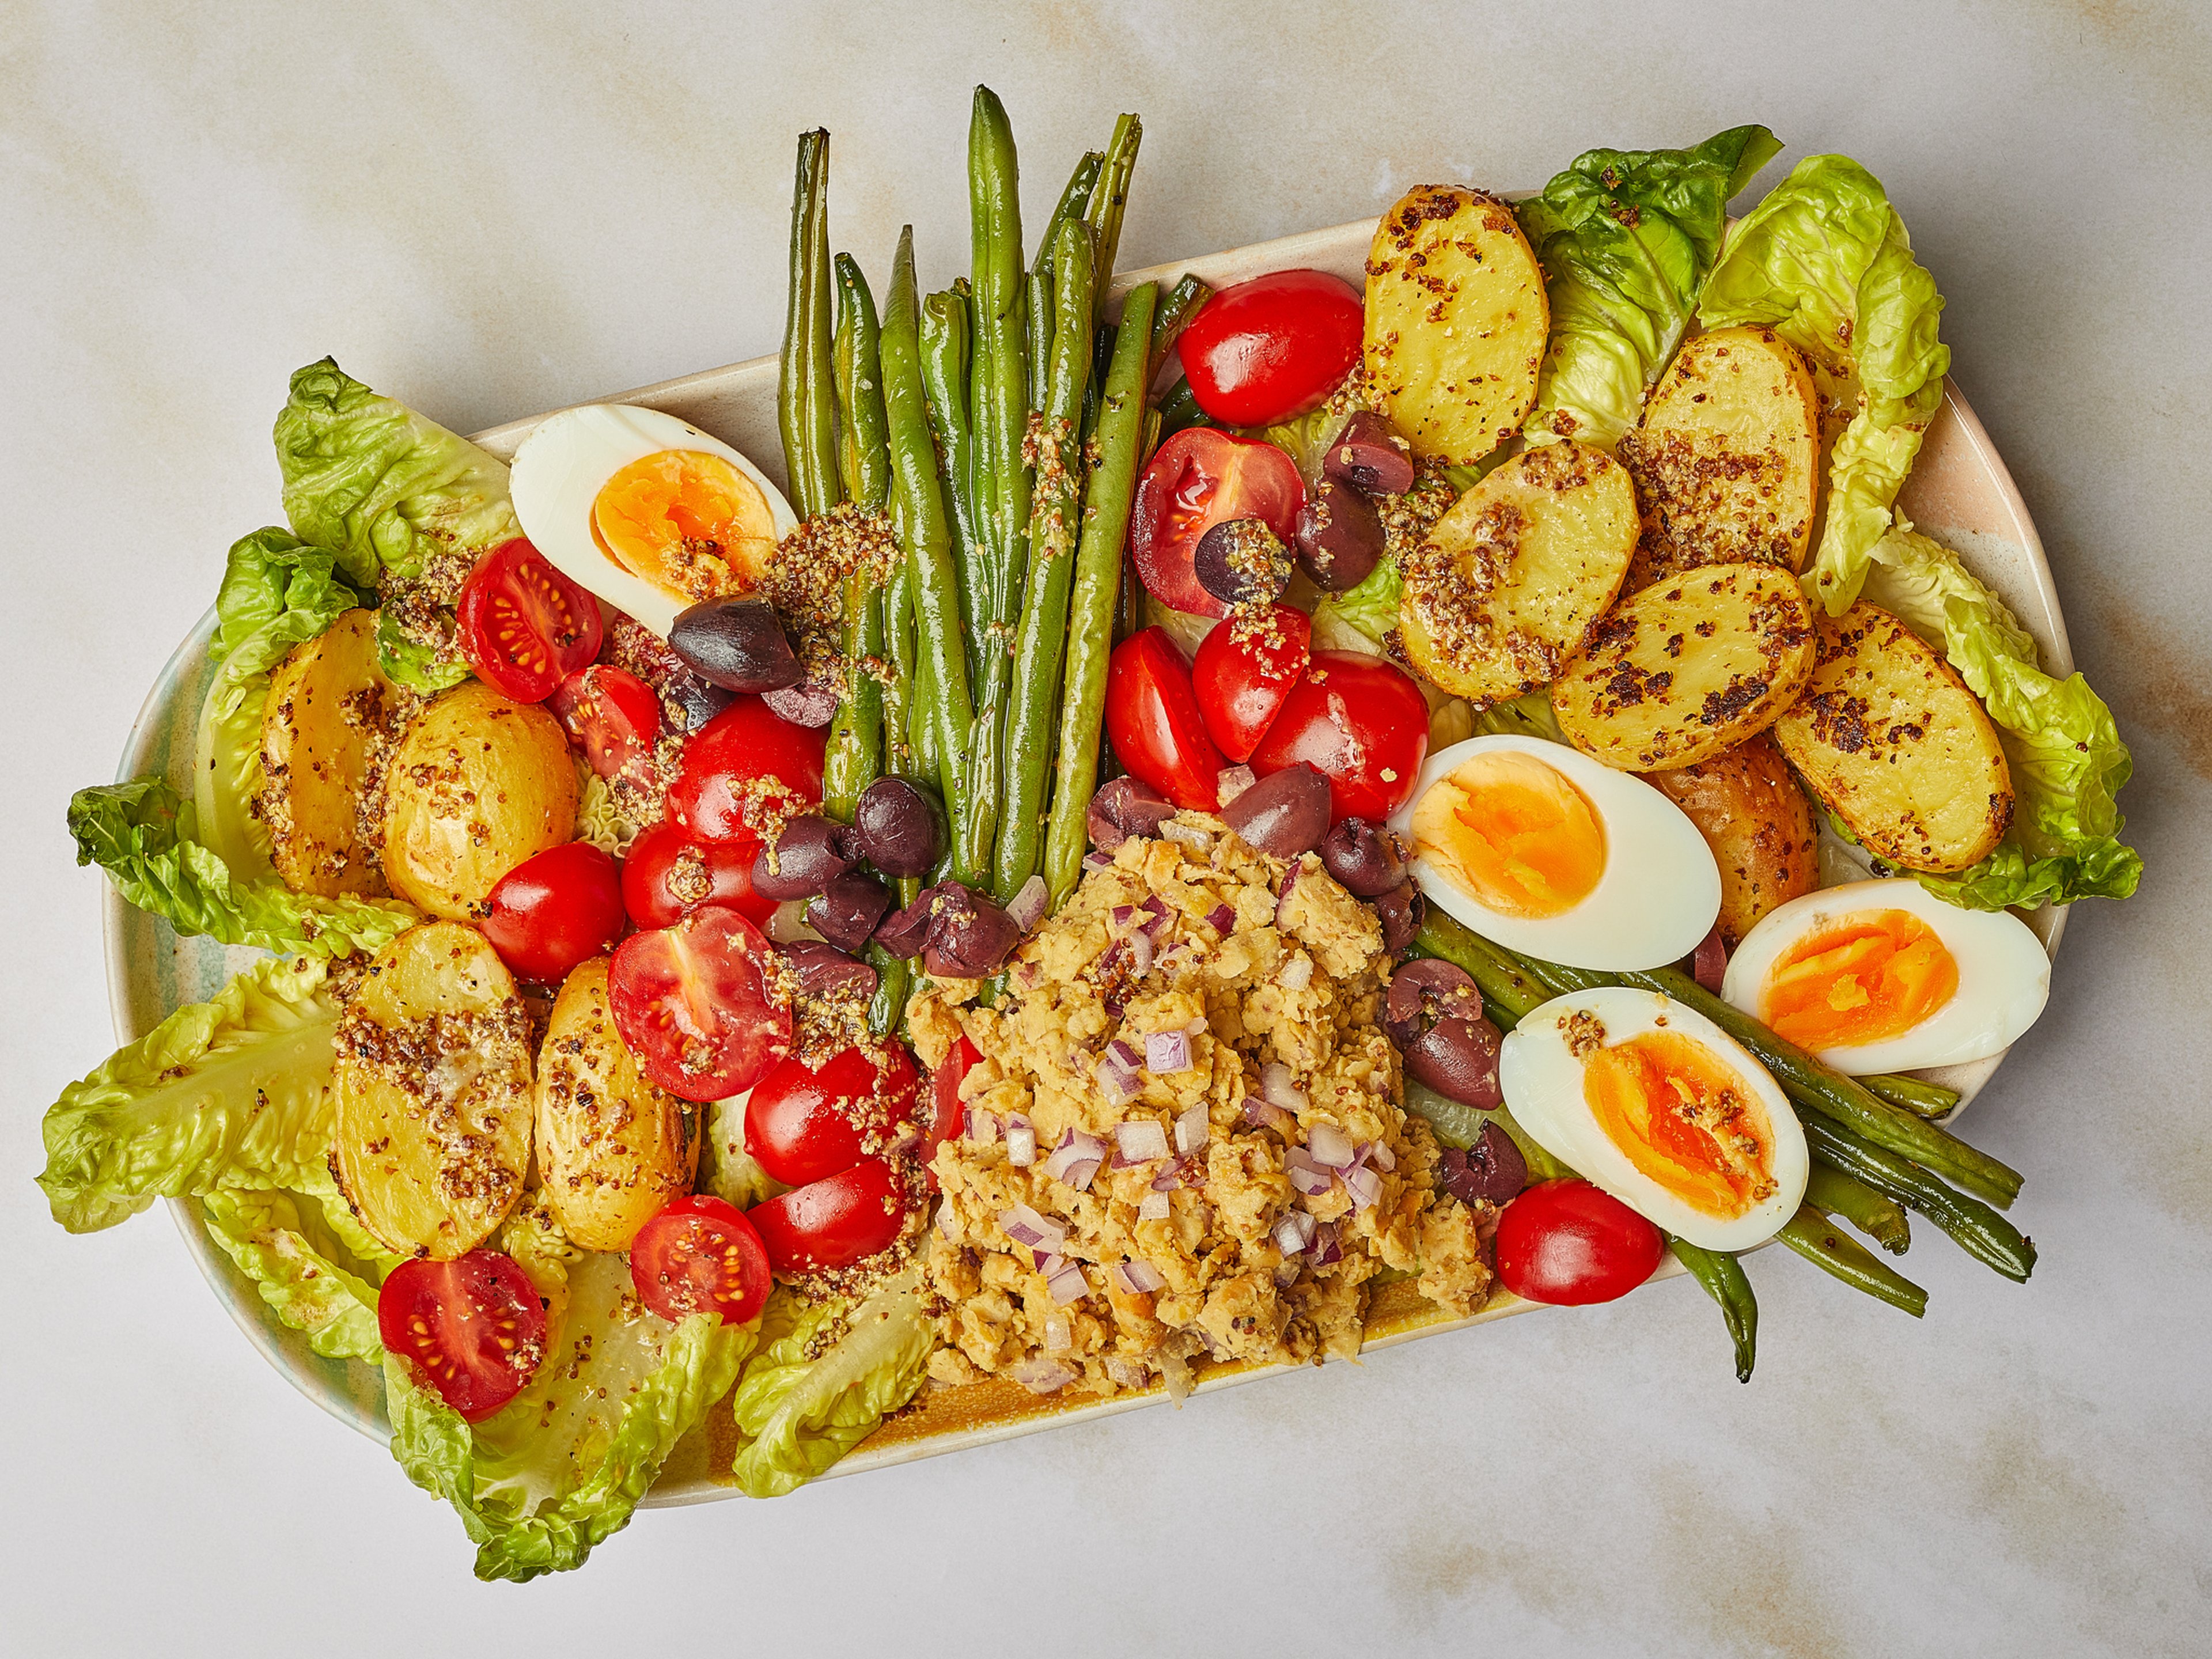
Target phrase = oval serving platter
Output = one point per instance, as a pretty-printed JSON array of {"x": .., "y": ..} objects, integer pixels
[{"x": 1958, "y": 492}]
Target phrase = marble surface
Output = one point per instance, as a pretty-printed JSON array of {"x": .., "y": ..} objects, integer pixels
[{"x": 499, "y": 208}]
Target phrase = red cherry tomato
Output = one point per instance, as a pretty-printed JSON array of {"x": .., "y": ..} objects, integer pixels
[
  {"x": 474, "y": 1327},
  {"x": 701, "y": 1255},
  {"x": 1152, "y": 719},
  {"x": 1273, "y": 347},
  {"x": 666, "y": 872},
  {"x": 803, "y": 1123},
  {"x": 524, "y": 626},
  {"x": 613, "y": 717},
  {"x": 744, "y": 767},
  {"x": 949, "y": 1117},
  {"x": 696, "y": 1003},
  {"x": 1361, "y": 724},
  {"x": 834, "y": 1222},
  {"x": 555, "y": 910},
  {"x": 1199, "y": 477},
  {"x": 1568, "y": 1243},
  {"x": 1241, "y": 683}
]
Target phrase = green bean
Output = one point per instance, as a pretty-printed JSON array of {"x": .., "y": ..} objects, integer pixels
[
  {"x": 945, "y": 333},
  {"x": 887, "y": 1007},
  {"x": 1179, "y": 410},
  {"x": 1181, "y": 306},
  {"x": 899, "y": 689},
  {"x": 805, "y": 399},
  {"x": 1882, "y": 1220},
  {"x": 1092, "y": 611},
  {"x": 1810, "y": 1235},
  {"x": 1109, "y": 203},
  {"x": 854, "y": 756},
  {"x": 1722, "y": 1276},
  {"x": 1496, "y": 975},
  {"x": 1980, "y": 1230},
  {"x": 1074, "y": 200},
  {"x": 1036, "y": 350},
  {"x": 1922, "y": 1099},
  {"x": 1054, "y": 514},
  {"x": 929, "y": 551}
]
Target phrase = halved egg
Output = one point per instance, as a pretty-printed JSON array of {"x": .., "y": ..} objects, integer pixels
[
  {"x": 1884, "y": 976},
  {"x": 645, "y": 510},
  {"x": 1657, "y": 1105},
  {"x": 1540, "y": 847}
]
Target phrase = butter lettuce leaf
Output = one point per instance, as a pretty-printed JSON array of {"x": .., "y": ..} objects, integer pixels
[
  {"x": 1626, "y": 238},
  {"x": 1824, "y": 262},
  {"x": 1359, "y": 618},
  {"x": 230, "y": 1093},
  {"x": 227, "y": 776},
  {"x": 428, "y": 665},
  {"x": 264, "y": 1234}
]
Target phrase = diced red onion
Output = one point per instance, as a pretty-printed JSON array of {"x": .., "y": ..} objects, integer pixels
[
  {"x": 1154, "y": 1207},
  {"x": 1026, "y": 909},
  {"x": 1280, "y": 1085},
  {"x": 1076, "y": 1159},
  {"x": 1021, "y": 1142},
  {"x": 1232, "y": 781},
  {"x": 1116, "y": 1081},
  {"x": 1365, "y": 1187},
  {"x": 1025, "y": 1226},
  {"x": 1058, "y": 1338},
  {"x": 1383, "y": 1157},
  {"x": 1191, "y": 1129},
  {"x": 1122, "y": 912},
  {"x": 945, "y": 1224},
  {"x": 1043, "y": 1376},
  {"x": 1167, "y": 1051},
  {"x": 981, "y": 1125},
  {"x": 1329, "y": 1144},
  {"x": 1144, "y": 1141},
  {"x": 1156, "y": 915},
  {"x": 1296, "y": 974},
  {"x": 1121, "y": 1049},
  {"x": 1066, "y": 1283},
  {"x": 1138, "y": 1277},
  {"x": 1189, "y": 834},
  {"x": 1283, "y": 899},
  {"x": 1266, "y": 1115},
  {"x": 1168, "y": 1178},
  {"x": 1286, "y": 1275},
  {"x": 1325, "y": 1248},
  {"x": 1309, "y": 1177},
  {"x": 1098, "y": 861},
  {"x": 1197, "y": 1027},
  {"x": 1222, "y": 919},
  {"x": 1294, "y": 1232},
  {"x": 1141, "y": 952}
]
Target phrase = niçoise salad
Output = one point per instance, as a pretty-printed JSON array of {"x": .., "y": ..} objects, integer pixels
[{"x": 1202, "y": 810}]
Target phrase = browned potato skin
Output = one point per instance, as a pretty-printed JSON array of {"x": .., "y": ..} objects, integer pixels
[
  {"x": 1747, "y": 805},
  {"x": 478, "y": 785},
  {"x": 1889, "y": 737},
  {"x": 326, "y": 723},
  {"x": 612, "y": 1149}
]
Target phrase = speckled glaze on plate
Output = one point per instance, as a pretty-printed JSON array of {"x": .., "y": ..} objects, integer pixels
[{"x": 1959, "y": 493}]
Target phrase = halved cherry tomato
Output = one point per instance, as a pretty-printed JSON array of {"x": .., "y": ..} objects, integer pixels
[
  {"x": 1241, "y": 681},
  {"x": 1273, "y": 347},
  {"x": 1199, "y": 477},
  {"x": 524, "y": 625},
  {"x": 1566, "y": 1241},
  {"x": 555, "y": 910},
  {"x": 701, "y": 1255},
  {"x": 834, "y": 1222},
  {"x": 745, "y": 767},
  {"x": 474, "y": 1327},
  {"x": 803, "y": 1122},
  {"x": 949, "y": 1117},
  {"x": 612, "y": 716},
  {"x": 1361, "y": 724},
  {"x": 697, "y": 1004},
  {"x": 666, "y": 872},
  {"x": 1152, "y": 719}
]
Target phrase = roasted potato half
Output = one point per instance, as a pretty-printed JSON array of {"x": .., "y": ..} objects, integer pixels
[
  {"x": 433, "y": 1092},
  {"x": 1510, "y": 579},
  {"x": 478, "y": 785},
  {"x": 1457, "y": 320},
  {"x": 1686, "y": 668},
  {"x": 1889, "y": 737},
  {"x": 1727, "y": 459},
  {"x": 612, "y": 1148},
  {"x": 327, "y": 720},
  {"x": 1747, "y": 805}
]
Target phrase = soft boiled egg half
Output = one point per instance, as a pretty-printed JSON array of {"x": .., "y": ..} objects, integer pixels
[
  {"x": 1657, "y": 1105},
  {"x": 1541, "y": 849},
  {"x": 1884, "y": 976},
  {"x": 647, "y": 511}
]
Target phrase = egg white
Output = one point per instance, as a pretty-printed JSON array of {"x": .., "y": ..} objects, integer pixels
[
  {"x": 567, "y": 460},
  {"x": 1655, "y": 901},
  {"x": 2004, "y": 976},
  {"x": 1542, "y": 1081}
]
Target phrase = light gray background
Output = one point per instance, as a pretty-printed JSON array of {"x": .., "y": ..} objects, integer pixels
[{"x": 493, "y": 213}]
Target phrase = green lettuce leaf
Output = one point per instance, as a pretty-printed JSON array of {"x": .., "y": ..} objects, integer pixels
[
  {"x": 562, "y": 1467},
  {"x": 262, "y": 1232},
  {"x": 424, "y": 665},
  {"x": 797, "y": 1416},
  {"x": 1825, "y": 263},
  {"x": 380, "y": 485},
  {"x": 145, "y": 836},
  {"x": 228, "y": 1093},
  {"x": 1625, "y": 238},
  {"x": 228, "y": 777},
  {"x": 2061, "y": 743},
  {"x": 1368, "y": 610},
  {"x": 1528, "y": 716}
]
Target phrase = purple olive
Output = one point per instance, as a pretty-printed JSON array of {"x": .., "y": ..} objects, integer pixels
[
  {"x": 1285, "y": 814},
  {"x": 1491, "y": 1171},
  {"x": 823, "y": 970},
  {"x": 969, "y": 935},
  {"x": 1339, "y": 536},
  {"x": 1124, "y": 808},
  {"x": 1242, "y": 561},
  {"x": 1370, "y": 456},
  {"x": 807, "y": 858},
  {"x": 1424, "y": 992},
  {"x": 1399, "y": 911},
  {"x": 1363, "y": 857},
  {"x": 737, "y": 643},
  {"x": 1456, "y": 1056},
  {"x": 846, "y": 910},
  {"x": 904, "y": 933},
  {"x": 899, "y": 827},
  {"x": 810, "y": 704}
]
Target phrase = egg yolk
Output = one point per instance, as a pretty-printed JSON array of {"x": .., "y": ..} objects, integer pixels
[
  {"x": 1512, "y": 832},
  {"x": 1861, "y": 978},
  {"x": 688, "y": 522},
  {"x": 1683, "y": 1117}
]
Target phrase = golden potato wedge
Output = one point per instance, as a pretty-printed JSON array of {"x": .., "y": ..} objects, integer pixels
[
  {"x": 1889, "y": 737},
  {"x": 323, "y": 730},
  {"x": 1457, "y": 320},
  {"x": 612, "y": 1148},
  {"x": 1747, "y": 805},
  {"x": 1684, "y": 669},
  {"x": 476, "y": 785},
  {"x": 433, "y": 1093},
  {"x": 1509, "y": 582},
  {"x": 1727, "y": 459}
]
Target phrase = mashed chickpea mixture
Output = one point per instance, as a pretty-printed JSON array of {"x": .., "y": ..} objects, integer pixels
[{"x": 1272, "y": 1210}]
